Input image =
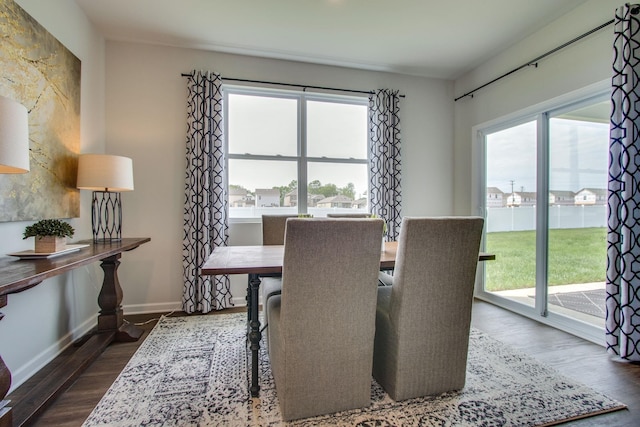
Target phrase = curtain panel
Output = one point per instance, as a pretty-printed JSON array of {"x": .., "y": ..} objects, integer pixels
[
  {"x": 206, "y": 207},
  {"x": 623, "y": 206},
  {"x": 384, "y": 134}
]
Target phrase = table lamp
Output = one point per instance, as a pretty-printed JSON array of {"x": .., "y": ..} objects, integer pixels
[
  {"x": 107, "y": 176},
  {"x": 14, "y": 137}
]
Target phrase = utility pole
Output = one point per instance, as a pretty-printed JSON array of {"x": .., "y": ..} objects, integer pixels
[{"x": 513, "y": 197}]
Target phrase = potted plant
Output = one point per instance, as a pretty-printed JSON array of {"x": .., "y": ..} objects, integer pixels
[
  {"x": 50, "y": 235},
  {"x": 384, "y": 230}
]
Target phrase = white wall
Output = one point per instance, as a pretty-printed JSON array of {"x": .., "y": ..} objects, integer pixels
[
  {"x": 146, "y": 120},
  {"x": 585, "y": 63},
  {"x": 39, "y": 322}
]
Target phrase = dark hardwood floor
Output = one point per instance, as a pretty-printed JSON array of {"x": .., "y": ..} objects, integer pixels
[{"x": 572, "y": 356}]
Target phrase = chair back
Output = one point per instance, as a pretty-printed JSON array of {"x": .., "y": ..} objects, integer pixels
[
  {"x": 429, "y": 311},
  {"x": 273, "y": 228},
  {"x": 349, "y": 215},
  {"x": 323, "y": 349},
  {"x": 434, "y": 276}
]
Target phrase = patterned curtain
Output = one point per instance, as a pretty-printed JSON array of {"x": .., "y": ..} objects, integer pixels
[
  {"x": 384, "y": 132},
  {"x": 206, "y": 200},
  {"x": 623, "y": 245}
]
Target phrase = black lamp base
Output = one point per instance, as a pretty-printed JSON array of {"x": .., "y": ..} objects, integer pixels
[{"x": 106, "y": 217}]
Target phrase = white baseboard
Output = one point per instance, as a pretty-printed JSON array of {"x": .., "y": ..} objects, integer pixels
[
  {"x": 169, "y": 307},
  {"x": 166, "y": 307},
  {"x": 26, "y": 371}
]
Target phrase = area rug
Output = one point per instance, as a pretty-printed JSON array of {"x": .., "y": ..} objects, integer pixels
[{"x": 194, "y": 371}]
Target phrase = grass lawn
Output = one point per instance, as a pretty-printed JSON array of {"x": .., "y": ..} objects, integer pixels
[{"x": 576, "y": 255}]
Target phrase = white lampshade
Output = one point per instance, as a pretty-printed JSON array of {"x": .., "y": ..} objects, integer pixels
[
  {"x": 14, "y": 137},
  {"x": 104, "y": 172}
]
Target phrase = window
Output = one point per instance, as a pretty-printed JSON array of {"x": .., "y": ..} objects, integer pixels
[{"x": 278, "y": 139}]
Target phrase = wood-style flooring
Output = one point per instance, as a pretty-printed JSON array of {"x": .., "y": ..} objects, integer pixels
[{"x": 572, "y": 356}]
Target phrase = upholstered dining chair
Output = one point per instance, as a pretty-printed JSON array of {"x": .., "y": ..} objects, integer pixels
[
  {"x": 320, "y": 335},
  {"x": 273, "y": 229},
  {"x": 423, "y": 319},
  {"x": 349, "y": 215}
]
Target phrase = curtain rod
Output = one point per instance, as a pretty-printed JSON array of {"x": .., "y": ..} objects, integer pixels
[
  {"x": 534, "y": 62},
  {"x": 304, "y": 87}
]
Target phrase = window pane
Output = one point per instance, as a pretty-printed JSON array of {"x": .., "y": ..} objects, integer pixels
[
  {"x": 262, "y": 125},
  {"x": 261, "y": 186},
  {"x": 337, "y": 187},
  {"x": 511, "y": 212},
  {"x": 578, "y": 156},
  {"x": 336, "y": 130}
]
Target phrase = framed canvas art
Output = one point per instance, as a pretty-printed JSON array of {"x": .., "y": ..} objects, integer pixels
[{"x": 44, "y": 76}]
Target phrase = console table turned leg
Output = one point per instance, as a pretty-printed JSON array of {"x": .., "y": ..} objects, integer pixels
[
  {"x": 6, "y": 417},
  {"x": 110, "y": 318}
]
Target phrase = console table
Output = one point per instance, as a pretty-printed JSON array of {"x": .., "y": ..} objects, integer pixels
[{"x": 17, "y": 275}]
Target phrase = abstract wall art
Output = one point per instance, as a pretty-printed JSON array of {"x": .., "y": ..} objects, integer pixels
[{"x": 44, "y": 76}]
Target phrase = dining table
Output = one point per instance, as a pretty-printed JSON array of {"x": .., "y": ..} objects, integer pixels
[{"x": 267, "y": 260}]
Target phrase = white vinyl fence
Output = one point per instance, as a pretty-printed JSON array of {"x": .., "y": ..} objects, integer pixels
[{"x": 524, "y": 218}]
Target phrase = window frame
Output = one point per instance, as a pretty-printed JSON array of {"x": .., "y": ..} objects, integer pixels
[
  {"x": 302, "y": 159},
  {"x": 540, "y": 113}
]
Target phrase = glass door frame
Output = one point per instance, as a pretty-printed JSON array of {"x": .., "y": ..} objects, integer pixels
[{"x": 541, "y": 114}]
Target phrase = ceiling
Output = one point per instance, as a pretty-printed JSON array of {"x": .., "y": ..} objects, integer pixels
[{"x": 431, "y": 38}]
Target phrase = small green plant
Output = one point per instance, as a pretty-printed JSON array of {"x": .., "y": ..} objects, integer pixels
[
  {"x": 49, "y": 227},
  {"x": 384, "y": 224}
]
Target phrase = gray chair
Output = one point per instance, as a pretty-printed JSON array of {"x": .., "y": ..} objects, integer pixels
[
  {"x": 273, "y": 229},
  {"x": 321, "y": 327},
  {"x": 349, "y": 215},
  {"x": 423, "y": 319},
  {"x": 382, "y": 279}
]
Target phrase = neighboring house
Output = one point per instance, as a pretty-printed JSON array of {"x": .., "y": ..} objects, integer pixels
[
  {"x": 495, "y": 197},
  {"x": 564, "y": 198},
  {"x": 291, "y": 199},
  {"x": 267, "y": 197},
  {"x": 238, "y": 197},
  {"x": 591, "y": 196},
  {"x": 521, "y": 199},
  {"x": 313, "y": 199},
  {"x": 339, "y": 201},
  {"x": 360, "y": 203}
]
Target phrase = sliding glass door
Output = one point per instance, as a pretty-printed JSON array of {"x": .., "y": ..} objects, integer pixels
[
  {"x": 578, "y": 157},
  {"x": 545, "y": 191},
  {"x": 511, "y": 205}
]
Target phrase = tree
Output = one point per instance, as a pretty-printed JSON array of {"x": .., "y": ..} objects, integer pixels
[
  {"x": 239, "y": 187},
  {"x": 349, "y": 191},
  {"x": 286, "y": 189},
  {"x": 328, "y": 190},
  {"x": 314, "y": 186}
]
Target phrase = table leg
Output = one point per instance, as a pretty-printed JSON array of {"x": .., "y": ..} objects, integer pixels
[
  {"x": 110, "y": 298},
  {"x": 248, "y": 299},
  {"x": 5, "y": 383},
  {"x": 254, "y": 334}
]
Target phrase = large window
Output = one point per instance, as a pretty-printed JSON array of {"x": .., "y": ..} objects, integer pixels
[
  {"x": 545, "y": 191},
  {"x": 277, "y": 140}
]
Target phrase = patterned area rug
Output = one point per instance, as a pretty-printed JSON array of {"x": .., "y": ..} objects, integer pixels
[{"x": 193, "y": 371}]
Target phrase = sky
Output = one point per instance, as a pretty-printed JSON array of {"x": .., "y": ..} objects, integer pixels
[
  {"x": 578, "y": 156},
  {"x": 578, "y": 148}
]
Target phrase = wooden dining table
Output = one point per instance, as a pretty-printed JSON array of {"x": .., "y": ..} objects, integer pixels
[{"x": 264, "y": 260}]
